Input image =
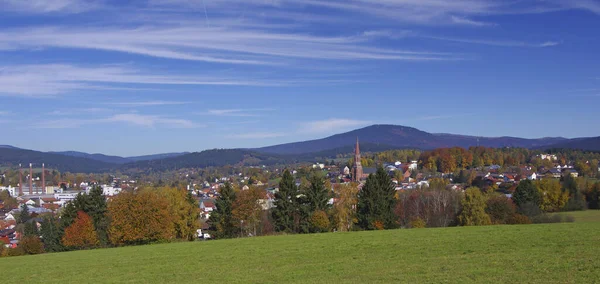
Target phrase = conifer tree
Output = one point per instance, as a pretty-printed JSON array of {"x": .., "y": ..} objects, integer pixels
[
  {"x": 221, "y": 219},
  {"x": 376, "y": 202},
  {"x": 23, "y": 216},
  {"x": 51, "y": 234},
  {"x": 527, "y": 198},
  {"x": 286, "y": 204}
]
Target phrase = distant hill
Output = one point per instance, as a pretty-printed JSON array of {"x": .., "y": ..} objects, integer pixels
[
  {"x": 586, "y": 144},
  {"x": 12, "y": 157},
  {"x": 117, "y": 159},
  {"x": 403, "y": 137},
  {"x": 96, "y": 157},
  {"x": 155, "y": 157},
  {"x": 8, "y": 147}
]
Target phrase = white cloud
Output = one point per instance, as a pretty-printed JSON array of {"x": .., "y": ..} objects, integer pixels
[
  {"x": 4, "y": 112},
  {"x": 56, "y": 79},
  {"x": 148, "y": 103},
  {"x": 214, "y": 45},
  {"x": 134, "y": 119},
  {"x": 492, "y": 42},
  {"x": 329, "y": 125},
  {"x": 151, "y": 120},
  {"x": 237, "y": 112},
  {"x": 49, "y": 6},
  {"x": 257, "y": 135},
  {"x": 469, "y": 22}
]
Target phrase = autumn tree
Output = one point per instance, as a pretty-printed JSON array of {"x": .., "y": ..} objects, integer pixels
[
  {"x": 140, "y": 217},
  {"x": 473, "y": 209},
  {"x": 184, "y": 210},
  {"x": 81, "y": 233},
  {"x": 500, "y": 209},
  {"x": 376, "y": 202},
  {"x": 286, "y": 204},
  {"x": 31, "y": 245},
  {"x": 221, "y": 219},
  {"x": 247, "y": 209},
  {"x": 553, "y": 198},
  {"x": 344, "y": 208}
]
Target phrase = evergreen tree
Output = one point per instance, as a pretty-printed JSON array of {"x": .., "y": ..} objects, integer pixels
[
  {"x": 94, "y": 205},
  {"x": 315, "y": 200},
  {"x": 24, "y": 215},
  {"x": 286, "y": 204},
  {"x": 317, "y": 196},
  {"x": 576, "y": 198},
  {"x": 67, "y": 215},
  {"x": 221, "y": 219},
  {"x": 527, "y": 198},
  {"x": 376, "y": 202},
  {"x": 31, "y": 229},
  {"x": 473, "y": 209},
  {"x": 51, "y": 234}
]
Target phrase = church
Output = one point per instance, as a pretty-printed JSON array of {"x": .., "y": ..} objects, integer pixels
[{"x": 358, "y": 172}]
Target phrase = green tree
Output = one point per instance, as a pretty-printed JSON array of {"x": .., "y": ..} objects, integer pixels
[
  {"x": 527, "y": 198},
  {"x": 473, "y": 209},
  {"x": 286, "y": 204},
  {"x": 31, "y": 245},
  {"x": 316, "y": 199},
  {"x": 576, "y": 198},
  {"x": 376, "y": 202},
  {"x": 24, "y": 215},
  {"x": 221, "y": 219},
  {"x": 51, "y": 234},
  {"x": 31, "y": 229}
]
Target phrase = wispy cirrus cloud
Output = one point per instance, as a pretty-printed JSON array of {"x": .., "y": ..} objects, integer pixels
[
  {"x": 256, "y": 135},
  {"x": 148, "y": 103},
  {"x": 49, "y": 6},
  {"x": 329, "y": 125},
  {"x": 133, "y": 119},
  {"x": 55, "y": 79},
  {"x": 255, "y": 112}
]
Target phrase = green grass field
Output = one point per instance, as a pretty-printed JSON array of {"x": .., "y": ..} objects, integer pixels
[{"x": 548, "y": 253}]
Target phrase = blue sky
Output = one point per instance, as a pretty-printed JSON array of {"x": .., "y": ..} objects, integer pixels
[{"x": 151, "y": 76}]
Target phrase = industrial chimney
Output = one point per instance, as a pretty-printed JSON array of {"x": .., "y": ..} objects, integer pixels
[
  {"x": 30, "y": 179},
  {"x": 20, "y": 180}
]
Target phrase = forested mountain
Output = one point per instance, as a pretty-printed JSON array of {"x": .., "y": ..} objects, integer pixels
[{"x": 404, "y": 137}]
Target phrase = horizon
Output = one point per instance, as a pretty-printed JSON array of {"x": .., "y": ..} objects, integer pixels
[
  {"x": 132, "y": 78},
  {"x": 264, "y": 146}
]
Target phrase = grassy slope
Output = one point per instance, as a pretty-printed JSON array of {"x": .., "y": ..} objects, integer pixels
[{"x": 549, "y": 253}]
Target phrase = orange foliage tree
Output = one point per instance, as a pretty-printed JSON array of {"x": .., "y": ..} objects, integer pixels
[
  {"x": 81, "y": 233},
  {"x": 247, "y": 209},
  {"x": 139, "y": 218}
]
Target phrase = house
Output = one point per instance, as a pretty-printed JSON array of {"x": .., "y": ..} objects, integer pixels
[
  {"x": 572, "y": 172},
  {"x": 555, "y": 173},
  {"x": 207, "y": 206},
  {"x": 9, "y": 217},
  {"x": 532, "y": 176}
]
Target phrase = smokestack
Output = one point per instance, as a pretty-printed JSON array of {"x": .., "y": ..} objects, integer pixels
[
  {"x": 20, "y": 180},
  {"x": 30, "y": 179},
  {"x": 43, "y": 179}
]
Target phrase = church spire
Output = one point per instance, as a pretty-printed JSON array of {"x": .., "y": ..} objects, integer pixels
[{"x": 357, "y": 149}]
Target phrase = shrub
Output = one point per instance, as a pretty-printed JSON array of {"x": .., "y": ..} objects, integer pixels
[
  {"x": 18, "y": 251},
  {"x": 320, "y": 221},
  {"x": 519, "y": 219},
  {"x": 501, "y": 209},
  {"x": 554, "y": 218},
  {"x": 417, "y": 223},
  {"x": 31, "y": 245}
]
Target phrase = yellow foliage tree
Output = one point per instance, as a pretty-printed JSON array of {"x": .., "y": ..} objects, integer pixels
[{"x": 553, "y": 197}]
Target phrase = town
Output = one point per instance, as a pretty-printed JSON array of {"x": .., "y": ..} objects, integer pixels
[{"x": 565, "y": 181}]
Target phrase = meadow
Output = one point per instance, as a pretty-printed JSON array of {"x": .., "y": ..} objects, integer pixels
[{"x": 546, "y": 253}]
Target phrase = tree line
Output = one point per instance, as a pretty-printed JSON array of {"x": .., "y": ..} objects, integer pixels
[{"x": 143, "y": 216}]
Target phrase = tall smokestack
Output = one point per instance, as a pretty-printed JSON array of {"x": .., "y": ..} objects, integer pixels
[
  {"x": 30, "y": 179},
  {"x": 20, "y": 180},
  {"x": 43, "y": 179}
]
